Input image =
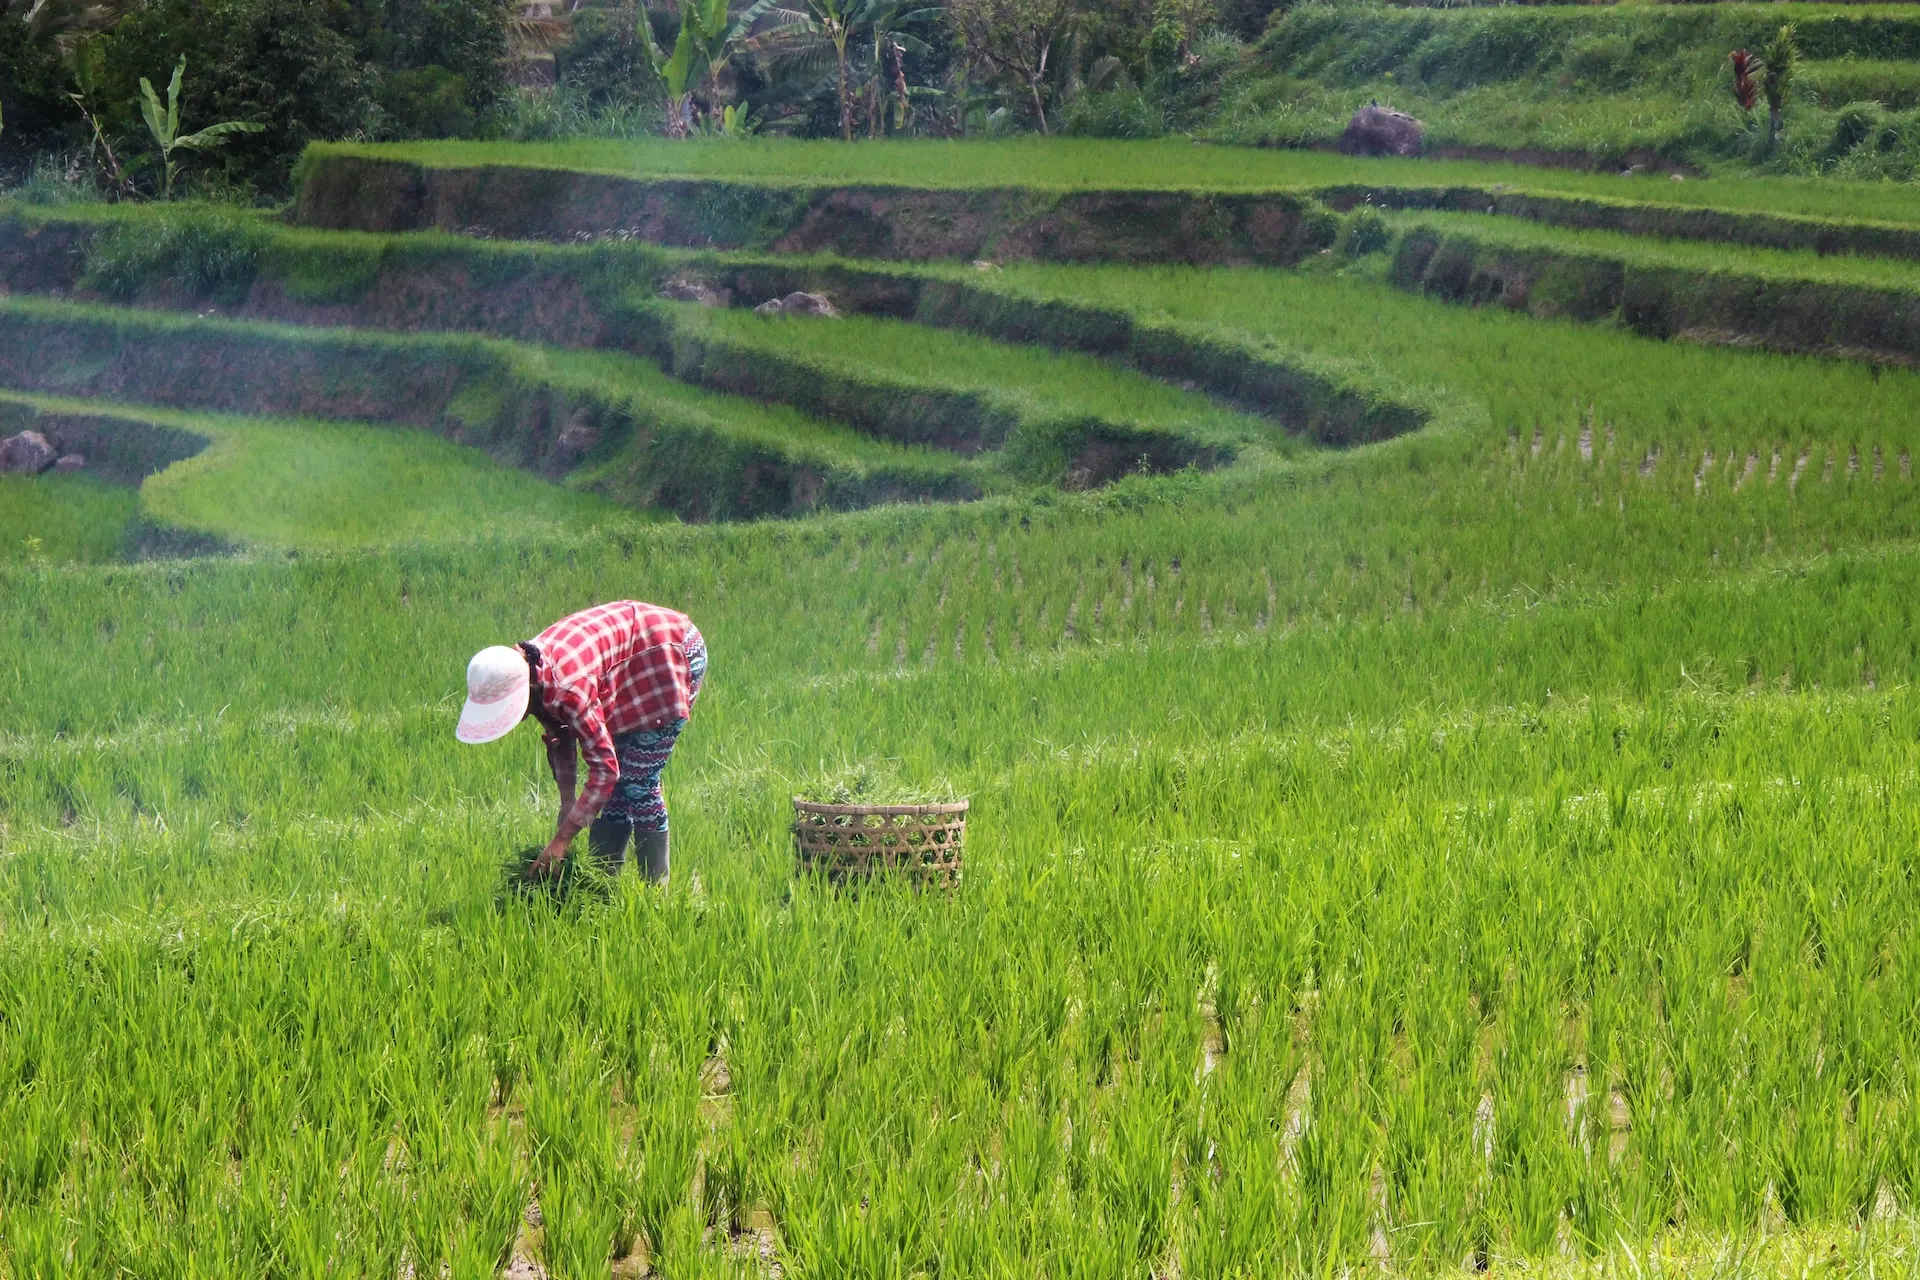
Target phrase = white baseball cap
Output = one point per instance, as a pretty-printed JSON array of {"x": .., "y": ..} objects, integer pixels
[{"x": 496, "y": 694}]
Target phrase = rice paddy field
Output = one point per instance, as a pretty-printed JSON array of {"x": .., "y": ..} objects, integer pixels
[
  {"x": 1093, "y": 164},
  {"x": 1488, "y": 845}
]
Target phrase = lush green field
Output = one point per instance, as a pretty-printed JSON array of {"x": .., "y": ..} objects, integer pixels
[
  {"x": 295, "y": 485},
  {"x": 1089, "y": 164},
  {"x": 1025, "y": 394},
  {"x": 1688, "y": 255},
  {"x": 63, "y": 518},
  {"x": 1610, "y": 85},
  {"x": 1492, "y": 848},
  {"x": 1528, "y": 374}
]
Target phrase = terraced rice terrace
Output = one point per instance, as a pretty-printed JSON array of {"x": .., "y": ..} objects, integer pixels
[{"x": 1433, "y": 678}]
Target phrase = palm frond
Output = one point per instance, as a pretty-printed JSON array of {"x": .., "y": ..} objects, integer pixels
[{"x": 525, "y": 33}]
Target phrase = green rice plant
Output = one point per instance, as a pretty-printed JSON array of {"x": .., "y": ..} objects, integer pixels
[
  {"x": 954, "y": 390},
  {"x": 1895, "y": 85},
  {"x": 653, "y": 440},
  {"x": 1055, "y": 164},
  {"x": 1488, "y": 843},
  {"x": 60, "y": 519}
]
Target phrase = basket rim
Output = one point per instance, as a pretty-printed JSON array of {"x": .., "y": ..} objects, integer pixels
[{"x": 878, "y": 810}]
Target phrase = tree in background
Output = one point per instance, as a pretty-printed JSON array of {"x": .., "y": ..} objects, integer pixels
[
  {"x": 1778, "y": 64},
  {"x": 824, "y": 35},
  {"x": 293, "y": 66},
  {"x": 706, "y": 42},
  {"x": 163, "y": 123},
  {"x": 38, "y": 40},
  {"x": 1015, "y": 39},
  {"x": 1176, "y": 23},
  {"x": 887, "y": 76},
  {"x": 307, "y": 70}
]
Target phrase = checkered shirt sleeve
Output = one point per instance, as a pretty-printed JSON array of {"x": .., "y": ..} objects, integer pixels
[{"x": 611, "y": 670}]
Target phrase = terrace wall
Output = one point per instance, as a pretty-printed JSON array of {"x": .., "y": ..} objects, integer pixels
[{"x": 342, "y": 191}]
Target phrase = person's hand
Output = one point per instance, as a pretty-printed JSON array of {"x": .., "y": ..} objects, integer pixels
[{"x": 548, "y": 861}]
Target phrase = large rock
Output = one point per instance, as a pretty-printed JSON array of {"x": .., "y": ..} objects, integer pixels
[
  {"x": 1379, "y": 131},
  {"x": 798, "y": 304},
  {"x": 26, "y": 454}
]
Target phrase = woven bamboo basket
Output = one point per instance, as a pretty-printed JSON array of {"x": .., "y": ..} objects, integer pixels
[{"x": 854, "y": 843}]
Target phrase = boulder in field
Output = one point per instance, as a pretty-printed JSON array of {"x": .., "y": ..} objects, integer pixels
[
  {"x": 26, "y": 454},
  {"x": 1381, "y": 131},
  {"x": 695, "y": 291},
  {"x": 798, "y": 304},
  {"x": 70, "y": 462}
]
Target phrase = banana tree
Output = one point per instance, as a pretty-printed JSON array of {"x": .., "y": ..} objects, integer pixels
[
  {"x": 887, "y": 22},
  {"x": 817, "y": 33},
  {"x": 164, "y": 125},
  {"x": 700, "y": 54}
]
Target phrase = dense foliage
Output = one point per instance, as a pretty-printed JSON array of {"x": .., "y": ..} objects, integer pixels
[
  {"x": 303, "y": 69},
  {"x": 396, "y": 69}
]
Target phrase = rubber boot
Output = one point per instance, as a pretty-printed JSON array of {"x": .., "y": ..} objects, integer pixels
[
  {"x": 607, "y": 841},
  {"x": 650, "y": 851}
]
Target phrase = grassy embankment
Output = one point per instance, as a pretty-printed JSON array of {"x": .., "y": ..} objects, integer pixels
[
  {"x": 609, "y": 422},
  {"x": 1593, "y": 84},
  {"x": 1058, "y": 165},
  {"x": 279, "y": 484},
  {"x": 1040, "y": 416},
  {"x": 1856, "y": 307}
]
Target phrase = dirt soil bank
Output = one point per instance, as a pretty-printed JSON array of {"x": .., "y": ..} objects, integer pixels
[{"x": 357, "y": 193}]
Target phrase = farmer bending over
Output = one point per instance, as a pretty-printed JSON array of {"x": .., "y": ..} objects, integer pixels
[{"x": 619, "y": 681}]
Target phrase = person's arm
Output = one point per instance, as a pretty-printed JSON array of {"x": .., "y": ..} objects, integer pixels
[
  {"x": 603, "y": 771},
  {"x": 560, "y": 759}
]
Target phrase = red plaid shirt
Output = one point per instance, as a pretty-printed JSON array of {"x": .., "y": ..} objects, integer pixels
[{"x": 606, "y": 671}]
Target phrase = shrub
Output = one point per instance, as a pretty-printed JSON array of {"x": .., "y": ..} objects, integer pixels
[
  {"x": 277, "y": 63},
  {"x": 463, "y": 39},
  {"x": 1894, "y": 85},
  {"x": 1116, "y": 113},
  {"x": 1598, "y": 61},
  {"x": 1853, "y": 126},
  {"x": 310, "y": 70},
  {"x": 205, "y": 255},
  {"x": 55, "y": 179},
  {"x": 605, "y": 62},
  {"x": 1364, "y": 231},
  {"x": 430, "y": 102}
]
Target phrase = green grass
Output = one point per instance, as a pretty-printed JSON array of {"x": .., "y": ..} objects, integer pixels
[
  {"x": 1891, "y": 83},
  {"x": 308, "y": 486},
  {"x": 337, "y": 485},
  {"x": 1608, "y": 84},
  {"x": 1492, "y": 844},
  {"x": 63, "y": 518},
  {"x": 772, "y": 426},
  {"x": 1024, "y": 385},
  {"x": 1089, "y": 164},
  {"x": 1687, "y": 255},
  {"x": 658, "y": 441},
  {"x": 1526, "y": 372},
  {"x": 1428, "y": 738}
]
